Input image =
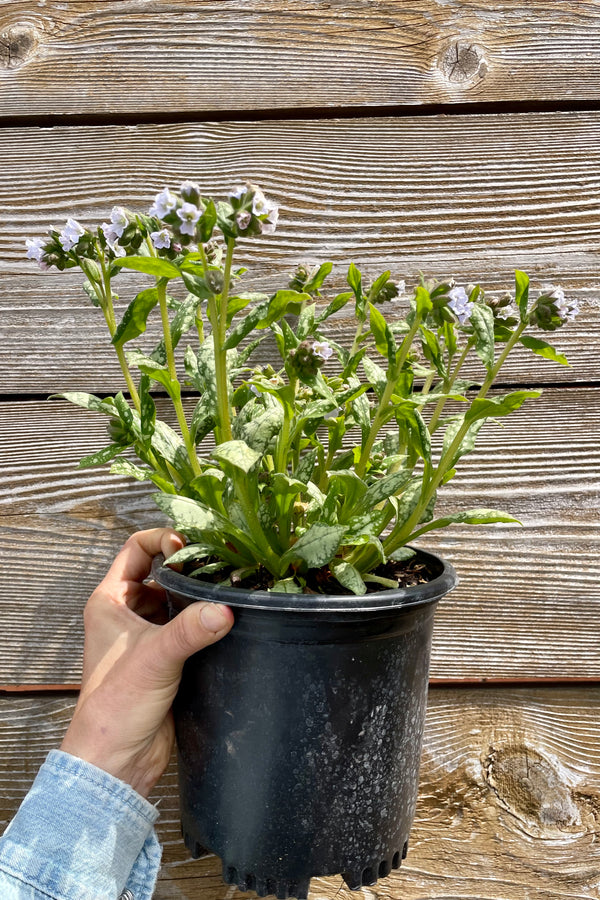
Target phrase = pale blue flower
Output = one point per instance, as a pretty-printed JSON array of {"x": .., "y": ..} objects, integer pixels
[
  {"x": 161, "y": 239},
  {"x": 164, "y": 203},
  {"x": 566, "y": 309},
  {"x": 35, "y": 249},
  {"x": 189, "y": 215},
  {"x": 460, "y": 304},
  {"x": 334, "y": 413},
  {"x": 322, "y": 349},
  {"x": 238, "y": 192},
  {"x": 116, "y": 248},
  {"x": 111, "y": 232},
  {"x": 69, "y": 236},
  {"x": 269, "y": 226},
  {"x": 119, "y": 220}
]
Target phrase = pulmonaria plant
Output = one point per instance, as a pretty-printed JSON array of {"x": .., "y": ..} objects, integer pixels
[{"x": 322, "y": 467}]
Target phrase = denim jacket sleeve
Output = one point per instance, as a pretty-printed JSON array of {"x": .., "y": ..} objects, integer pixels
[{"x": 80, "y": 834}]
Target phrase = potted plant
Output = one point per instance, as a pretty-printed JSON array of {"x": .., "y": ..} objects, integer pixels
[{"x": 299, "y": 484}]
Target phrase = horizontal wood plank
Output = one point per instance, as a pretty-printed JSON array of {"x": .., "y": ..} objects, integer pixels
[
  {"x": 465, "y": 197},
  {"x": 528, "y": 604},
  {"x": 508, "y": 802},
  {"x": 106, "y": 58}
]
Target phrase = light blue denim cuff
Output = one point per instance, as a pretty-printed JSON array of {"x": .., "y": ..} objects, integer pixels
[{"x": 80, "y": 833}]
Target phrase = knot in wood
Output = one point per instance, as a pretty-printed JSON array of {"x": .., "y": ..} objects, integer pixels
[
  {"x": 463, "y": 62},
  {"x": 531, "y": 788},
  {"x": 17, "y": 44}
]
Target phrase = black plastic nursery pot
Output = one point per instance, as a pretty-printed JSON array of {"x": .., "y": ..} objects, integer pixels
[{"x": 299, "y": 734}]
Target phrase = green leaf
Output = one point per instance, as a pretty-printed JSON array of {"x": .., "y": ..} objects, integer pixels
[
  {"x": 246, "y": 325},
  {"x": 236, "y": 305},
  {"x": 187, "y": 514},
  {"x": 316, "y": 547},
  {"x": 355, "y": 281},
  {"x": 236, "y": 455},
  {"x": 306, "y": 321},
  {"x": 522, "y": 293},
  {"x": 348, "y": 576},
  {"x": 384, "y": 339},
  {"x": 151, "y": 265},
  {"x": 384, "y": 487},
  {"x": 184, "y": 318},
  {"x": 207, "y": 222},
  {"x": 432, "y": 350},
  {"x": 375, "y": 375},
  {"x": 318, "y": 278},
  {"x": 542, "y": 348},
  {"x": 417, "y": 433},
  {"x": 88, "y": 401},
  {"x": 101, "y": 456},
  {"x": 402, "y": 554},
  {"x": 134, "y": 319},
  {"x": 467, "y": 443},
  {"x": 377, "y": 286},
  {"x": 286, "y": 586},
  {"x": 157, "y": 372},
  {"x": 486, "y": 407},
  {"x": 187, "y": 553},
  {"x": 283, "y": 484},
  {"x": 306, "y": 466},
  {"x": 336, "y": 304},
  {"x": 261, "y": 429},
  {"x": 278, "y": 305},
  {"x": 148, "y": 411},
  {"x": 196, "y": 285},
  {"x": 423, "y": 301},
  {"x": 468, "y": 517},
  {"x": 123, "y": 466},
  {"x": 482, "y": 320}
]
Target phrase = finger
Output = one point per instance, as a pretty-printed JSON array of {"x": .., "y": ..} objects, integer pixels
[
  {"x": 134, "y": 560},
  {"x": 197, "y": 626}
]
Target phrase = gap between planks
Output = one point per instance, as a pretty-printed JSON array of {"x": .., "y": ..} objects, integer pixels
[{"x": 434, "y": 682}]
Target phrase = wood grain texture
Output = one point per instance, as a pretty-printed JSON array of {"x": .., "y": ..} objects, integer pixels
[
  {"x": 106, "y": 58},
  {"x": 528, "y": 604},
  {"x": 508, "y": 809},
  {"x": 470, "y": 197}
]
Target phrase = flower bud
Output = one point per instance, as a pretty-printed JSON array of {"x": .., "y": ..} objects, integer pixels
[
  {"x": 299, "y": 280},
  {"x": 305, "y": 361},
  {"x": 117, "y": 431},
  {"x": 388, "y": 292},
  {"x": 215, "y": 280},
  {"x": 190, "y": 192}
]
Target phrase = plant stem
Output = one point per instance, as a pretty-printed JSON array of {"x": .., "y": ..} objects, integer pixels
[
  {"x": 161, "y": 289},
  {"x": 104, "y": 295},
  {"x": 270, "y": 559},
  {"x": 395, "y": 540},
  {"x": 449, "y": 382},
  {"x": 219, "y": 328},
  {"x": 393, "y": 373}
]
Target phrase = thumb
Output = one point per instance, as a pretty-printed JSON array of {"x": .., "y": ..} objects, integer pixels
[{"x": 195, "y": 627}]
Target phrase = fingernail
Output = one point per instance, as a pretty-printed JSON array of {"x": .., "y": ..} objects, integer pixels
[{"x": 214, "y": 617}]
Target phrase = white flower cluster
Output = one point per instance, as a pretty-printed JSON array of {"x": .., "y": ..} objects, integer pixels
[
  {"x": 265, "y": 211},
  {"x": 566, "y": 309}
]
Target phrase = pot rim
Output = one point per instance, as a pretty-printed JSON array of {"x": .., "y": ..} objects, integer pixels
[{"x": 413, "y": 596}]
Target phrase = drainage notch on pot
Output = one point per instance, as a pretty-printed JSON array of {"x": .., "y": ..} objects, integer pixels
[{"x": 299, "y": 734}]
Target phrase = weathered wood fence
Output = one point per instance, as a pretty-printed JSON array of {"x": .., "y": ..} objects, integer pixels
[{"x": 449, "y": 137}]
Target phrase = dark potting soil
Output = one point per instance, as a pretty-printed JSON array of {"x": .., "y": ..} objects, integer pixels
[{"x": 318, "y": 581}]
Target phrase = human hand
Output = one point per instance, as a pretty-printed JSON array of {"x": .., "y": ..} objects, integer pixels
[{"x": 132, "y": 665}]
